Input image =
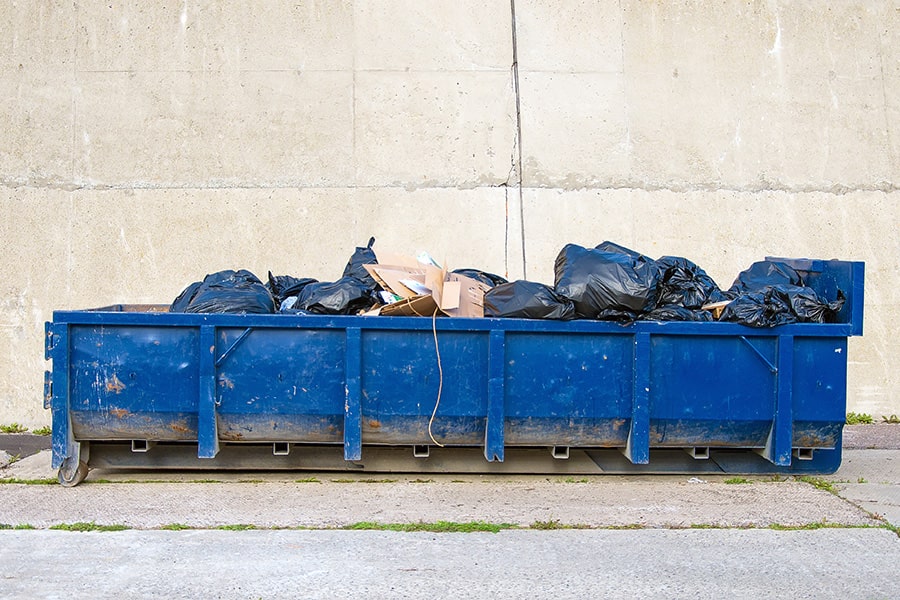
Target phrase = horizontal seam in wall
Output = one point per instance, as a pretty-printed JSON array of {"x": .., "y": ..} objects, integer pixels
[
  {"x": 838, "y": 189},
  {"x": 296, "y": 70}
]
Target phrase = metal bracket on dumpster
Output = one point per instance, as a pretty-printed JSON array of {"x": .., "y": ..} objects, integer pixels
[
  {"x": 48, "y": 389},
  {"x": 353, "y": 395},
  {"x": 493, "y": 427},
  {"x": 50, "y": 340},
  {"x": 207, "y": 426},
  {"x": 637, "y": 448},
  {"x": 762, "y": 356},
  {"x": 233, "y": 346},
  {"x": 778, "y": 444}
]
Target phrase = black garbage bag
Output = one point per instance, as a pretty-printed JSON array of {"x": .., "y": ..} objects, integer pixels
[
  {"x": 527, "y": 300},
  {"x": 683, "y": 283},
  {"x": 762, "y": 308},
  {"x": 481, "y": 276},
  {"x": 615, "y": 248},
  {"x": 596, "y": 280},
  {"x": 346, "y": 296},
  {"x": 763, "y": 274},
  {"x": 624, "y": 317},
  {"x": 675, "y": 312},
  {"x": 808, "y": 306},
  {"x": 362, "y": 256},
  {"x": 352, "y": 293},
  {"x": 285, "y": 286},
  {"x": 781, "y": 305},
  {"x": 226, "y": 292},
  {"x": 184, "y": 298}
]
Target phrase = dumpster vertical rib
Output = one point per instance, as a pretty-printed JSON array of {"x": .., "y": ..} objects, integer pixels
[
  {"x": 857, "y": 304},
  {"x": 207, "y": 428},
  {"x": 64, "y": 445},
  {"x": 637, "y": 448},
  {"x": 353, "y": 396},
  {"x": 780, "y": 440},
  {"x": 493, "y": 426}
]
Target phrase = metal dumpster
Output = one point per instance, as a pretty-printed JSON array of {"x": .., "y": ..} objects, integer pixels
[{"x": 138, "y": 387}]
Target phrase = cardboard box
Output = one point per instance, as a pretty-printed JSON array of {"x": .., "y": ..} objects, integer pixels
[{"x": 448, "y": 294}]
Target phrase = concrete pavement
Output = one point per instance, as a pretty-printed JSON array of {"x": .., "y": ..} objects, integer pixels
[
  {"x": 649, "y": 563},
  {"x": 601, "y": 536}
]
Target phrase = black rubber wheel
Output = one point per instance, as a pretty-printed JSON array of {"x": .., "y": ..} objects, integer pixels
[{"x": 69, "y": 477}]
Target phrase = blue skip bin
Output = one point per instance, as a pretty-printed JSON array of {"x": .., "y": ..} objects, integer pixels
[{"x": 138, "y": 387}]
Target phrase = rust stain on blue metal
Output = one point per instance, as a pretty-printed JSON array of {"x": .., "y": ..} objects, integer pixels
[{"x": 113, "y": 385}]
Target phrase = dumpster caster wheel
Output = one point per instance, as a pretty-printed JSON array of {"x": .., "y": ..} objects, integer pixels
[{"x": 69, "y": 475}]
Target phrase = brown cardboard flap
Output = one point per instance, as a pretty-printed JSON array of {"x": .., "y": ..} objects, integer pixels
[
  {"x": 420, "y": 306},
  {"x": 390, "y": 278},
  {"x": 398, "y": 260},
  {"x": 450, "y": 295}
]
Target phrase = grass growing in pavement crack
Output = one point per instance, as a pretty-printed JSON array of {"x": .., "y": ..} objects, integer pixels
[
  {"x": 819, "y": 483},
  {"x": 822, "y": 525},
  {"x": 556, "y": 524},
  {"x": 237, "y": 527},
  {"x": 308, "y": 480},
  {"x": 363, "y": 481},
  {"x": 42, "y": 481},
  {"x": 91, "y": 526},
  {"x": 436, "y": 527},
  {"x": 854, "y": 418},
  {"x": 175, "y": 527},
  {"x": 13, "y": 428},
  {"x": 737, "y": 481}
]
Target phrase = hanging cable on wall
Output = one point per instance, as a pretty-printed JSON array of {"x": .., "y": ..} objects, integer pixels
[{"x": 515, "y": 77}]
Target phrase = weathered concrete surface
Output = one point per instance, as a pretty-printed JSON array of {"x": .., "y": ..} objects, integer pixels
[
  {"x": 288, "y": 499},
  {"x": 870, "y": 479},
  {"x": 332, "y": 501},
  {"x": 21, "y": 445},
  {"x": 511, "y": 564},
  {"x": 876, "y": 435},
  {"x": 136, "y": 135},
  {"x": 879, "y": 499},
  {"x": 845, "y": 560}
]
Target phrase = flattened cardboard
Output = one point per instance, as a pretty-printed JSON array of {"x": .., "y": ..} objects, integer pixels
[
  {"x": 420, "y": 306},
  {"x": 471, "y": 296},
  {"x": 390, "y": 278},
  {"x": 398, "y": 260},
  {"x": 452, "y": 294}
]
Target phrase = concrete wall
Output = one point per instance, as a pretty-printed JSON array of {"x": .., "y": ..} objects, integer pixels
[{"x": 143, "y": 146}]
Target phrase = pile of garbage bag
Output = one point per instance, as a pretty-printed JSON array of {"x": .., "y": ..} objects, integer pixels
[{"x": 608, "y": 282}]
